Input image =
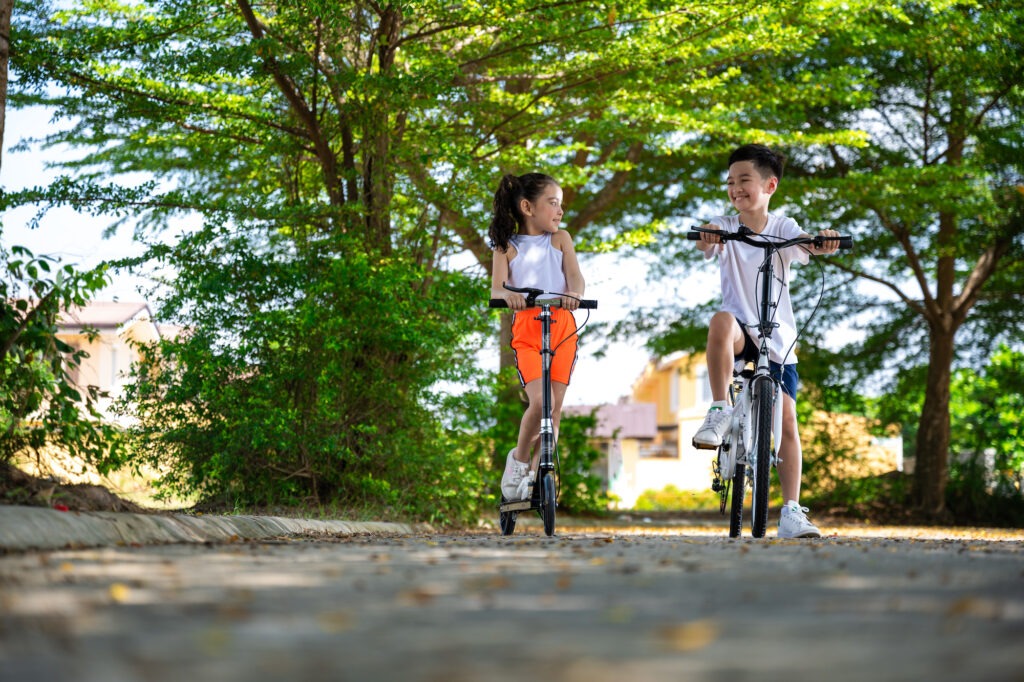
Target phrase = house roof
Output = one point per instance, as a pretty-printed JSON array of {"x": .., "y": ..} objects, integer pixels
[
  {"x": 103, "y": 314},
  {"x": 631, "y": 420}
]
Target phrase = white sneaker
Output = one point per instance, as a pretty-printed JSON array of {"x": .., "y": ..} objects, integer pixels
[
  {"x": 793, "y": 522},
  {"x": 525, "y": 490},
  {"x": 711, "y": 432},
  {"x": 515, "y": 473}
]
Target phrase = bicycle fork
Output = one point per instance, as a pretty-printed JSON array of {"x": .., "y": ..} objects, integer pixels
[{"x": 748, "y": 430}]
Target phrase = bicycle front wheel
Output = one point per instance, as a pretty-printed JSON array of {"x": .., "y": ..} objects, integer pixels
[
  {"x": 548, "y": 502},
  {"x": 739, "y": 491},
  {"x": 763, "y": 408}
]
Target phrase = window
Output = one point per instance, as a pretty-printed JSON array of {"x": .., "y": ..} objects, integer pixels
[
  {"x": 703, "y": 386},
  {"x": 673, "y": 392}
]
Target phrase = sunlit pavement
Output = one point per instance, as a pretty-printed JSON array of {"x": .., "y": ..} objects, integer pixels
[{"x": 626, "y": 600}]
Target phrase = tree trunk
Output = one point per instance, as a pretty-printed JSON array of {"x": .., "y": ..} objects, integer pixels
[
  {"x": 6, "y": 8},
  {"x": 931, "y": 468}
]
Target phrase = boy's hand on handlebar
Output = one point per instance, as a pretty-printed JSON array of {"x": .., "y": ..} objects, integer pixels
[
  {"x": 828, "y": 246},
  {"x": 708, "y": 239}
]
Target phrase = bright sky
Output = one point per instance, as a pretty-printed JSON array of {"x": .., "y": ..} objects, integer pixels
[{"x": 615, "y": 281}]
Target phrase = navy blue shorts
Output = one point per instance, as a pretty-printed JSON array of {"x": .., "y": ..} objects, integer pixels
[{"x": 785, "y": 374}]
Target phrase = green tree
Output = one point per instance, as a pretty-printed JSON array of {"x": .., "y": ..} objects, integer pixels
[
  {"x": 40, "y": 405},
  {"x": 935, "y": 201},
  {"x": 328, "y": 136},
  {"x": 932, "y": 193}
]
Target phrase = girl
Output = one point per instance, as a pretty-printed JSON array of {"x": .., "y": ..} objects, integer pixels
[{"x": 530, "y": 251}]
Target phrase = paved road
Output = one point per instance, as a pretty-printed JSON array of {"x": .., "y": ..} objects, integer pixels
[{"x": 624, "y": 603}]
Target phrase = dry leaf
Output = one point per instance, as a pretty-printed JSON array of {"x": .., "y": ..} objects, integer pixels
[
  {"x": 691, "y": 636},
  {"x": 119, "y": 593}
]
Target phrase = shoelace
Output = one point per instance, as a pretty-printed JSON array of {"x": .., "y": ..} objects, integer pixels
[
  {"x": 716, "y": 416},
  {"x": 799, "y": 514},
  {"x": 523, "y": 491}
]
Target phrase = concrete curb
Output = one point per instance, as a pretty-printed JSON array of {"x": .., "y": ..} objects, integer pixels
[{"x": 31, "y": 528}]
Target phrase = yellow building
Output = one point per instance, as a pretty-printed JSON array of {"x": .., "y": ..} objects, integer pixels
[
  {"x": 108, "y": 332},
  {"x": 111, "y": 351}
]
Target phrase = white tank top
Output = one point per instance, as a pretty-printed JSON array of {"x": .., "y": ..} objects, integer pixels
[{"x": 537, "y": 264}]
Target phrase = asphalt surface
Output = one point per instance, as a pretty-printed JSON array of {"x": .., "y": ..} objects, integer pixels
[{"x": 111, "y": 597}]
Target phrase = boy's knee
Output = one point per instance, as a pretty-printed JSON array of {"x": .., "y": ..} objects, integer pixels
[{"x": 722, "y": 324}]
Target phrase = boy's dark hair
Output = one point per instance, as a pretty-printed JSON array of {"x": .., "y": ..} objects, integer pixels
[
  {"x": 507, "y": 218},
  {"x": 766, "y": 161}
]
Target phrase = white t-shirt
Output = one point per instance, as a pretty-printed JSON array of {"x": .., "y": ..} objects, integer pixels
[
  {"x": 741, "y": 282},
  {"x": 537, "y": 264}
]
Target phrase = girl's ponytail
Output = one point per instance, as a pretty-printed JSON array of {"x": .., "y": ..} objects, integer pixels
[{"x": 505, "y": 214}]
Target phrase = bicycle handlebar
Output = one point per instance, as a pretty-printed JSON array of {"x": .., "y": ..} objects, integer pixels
[
  {"x": 817, "y": 240},
  {"x": 531, "y": 298},
  {"x": 553, "y": 302}
]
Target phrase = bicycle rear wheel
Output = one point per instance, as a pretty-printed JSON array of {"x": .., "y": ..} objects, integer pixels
[
  {"x": 763, "y": 407},
  {"x": 547, "y": 503}
]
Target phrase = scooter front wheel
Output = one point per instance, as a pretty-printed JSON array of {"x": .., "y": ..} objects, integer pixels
[{"x": 548, "y": 503}]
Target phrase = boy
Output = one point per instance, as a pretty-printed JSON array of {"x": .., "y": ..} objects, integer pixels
[{"x": 754, "y": 174}]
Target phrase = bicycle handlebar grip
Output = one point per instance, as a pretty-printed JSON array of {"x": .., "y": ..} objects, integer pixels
[
  {"x": 693, "y": 235},
  {"x": 844, "y": 242}
]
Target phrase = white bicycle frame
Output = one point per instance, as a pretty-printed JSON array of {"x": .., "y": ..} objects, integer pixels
[{"x": 740, "y": 435}]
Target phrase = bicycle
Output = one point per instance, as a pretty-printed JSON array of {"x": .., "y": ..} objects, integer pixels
[
  {"x": 750, "y": 447},
  {"x": 545, "y": 489}
]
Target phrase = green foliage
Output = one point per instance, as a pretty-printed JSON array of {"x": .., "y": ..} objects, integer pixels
[
  {"x": 987, "y": 470},
  {"x": 880, "y": 499},
  {"x": 581, "y": 489},
  {"x": 40, "y": 404},
  {"x": 671, "y": 498},
  {"x": 304, "y": 378}
]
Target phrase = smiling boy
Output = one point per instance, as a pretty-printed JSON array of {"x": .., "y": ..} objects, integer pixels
[{"x": 754, "y": 175}]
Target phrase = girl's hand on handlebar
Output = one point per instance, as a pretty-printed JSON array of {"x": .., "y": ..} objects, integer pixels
[
  {"x": 571, "y": 300},
  {"x": 515, "y": 301}
]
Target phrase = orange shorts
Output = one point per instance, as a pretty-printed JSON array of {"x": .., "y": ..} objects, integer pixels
[{"x": 526, "y": 344}]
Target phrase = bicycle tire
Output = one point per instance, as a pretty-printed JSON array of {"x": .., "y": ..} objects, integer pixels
[
  {"x": 763, "y": 407},
  {"x": 739, "y": 491},
  {"x": 548, "y": 503},
  {"x": 507, "y": 522}
]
